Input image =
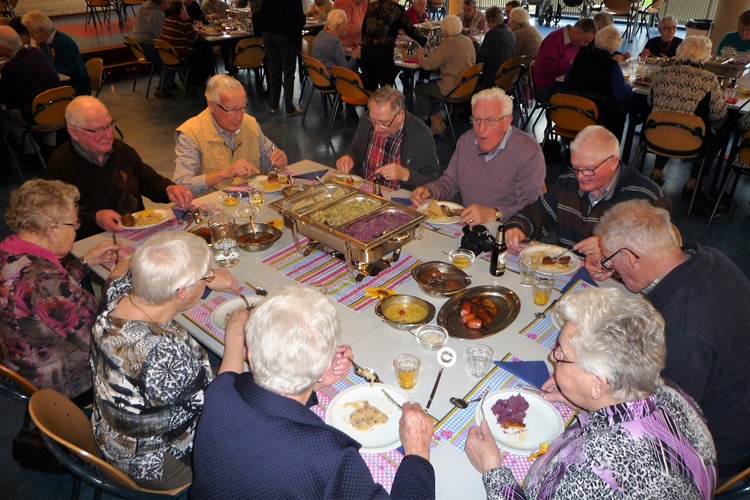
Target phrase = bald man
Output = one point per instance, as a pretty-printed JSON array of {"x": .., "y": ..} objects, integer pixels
[{"x": 110, "y": 175}]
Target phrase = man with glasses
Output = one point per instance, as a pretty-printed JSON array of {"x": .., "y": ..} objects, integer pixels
[
  {"x": 664, "y": 45},
  {"x": 496, "y": 169},
  {"x": 391, "y": 144},
  {"x": 223, "y": 144},
  {"x": 595, "y": 182},
  {"x": 702, "y": 295},
  {"x": 110, "y": 175}
]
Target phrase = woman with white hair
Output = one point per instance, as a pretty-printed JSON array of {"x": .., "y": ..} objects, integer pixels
[
  {"x": 327, "y": 46},
  {"x": 686, "y": 87},
  {"x": 454, "y": 54},
  {"x": 149, "y": 374},
  {"x": 636, "y": 435},
  {"x": 257, "y": 436},
  {"x": 596, "y": 75},
  {"x": 528, "y": 38},
  {"x": 664, "y": 45}
]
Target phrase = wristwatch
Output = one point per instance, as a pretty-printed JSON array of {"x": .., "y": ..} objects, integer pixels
[{"x": 498, "y": 215}]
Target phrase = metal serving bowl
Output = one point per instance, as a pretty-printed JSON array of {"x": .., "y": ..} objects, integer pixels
[
  {"x": 399, "y": 303},
  {"x": 295, "y": 188},
  {"x": 435, "y": 278},
  {"x": 260, "y": 228}
]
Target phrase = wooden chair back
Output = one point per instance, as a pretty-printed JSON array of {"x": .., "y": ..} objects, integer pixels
[
  {"x": 95, "y": 68},
  {"x": 571, "y": 113},
  {"x": 617, "y": 7},
  {"x": 135, "y": 47},
  {"x": 168, "y": 54},
  {"x": 15, "y": 383},
  {"x": 673, "y": 134},
  {"x": 307, "y": 45},
  {"x": 249, "y": 53},
  {"x": 319, "y": 74},
  {"x": 48, "y": 108},
  {"x": 465, "y": 85},
  {"x": 510, "y": 72},
  {"x": 349, "y": 86}
]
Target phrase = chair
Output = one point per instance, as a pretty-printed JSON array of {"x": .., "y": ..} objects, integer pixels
[
  {"x": 250, "y": 54},
  {"x": 95, "y": 68},
  {"x": 650, "y": 11},
  {"x": 140, "y": 56},
  {"x": 94, "y": 7},
  {"x": 15, "y": 385},
  {"x": 436, "y": 9},
  {"x": 508, "y": 78},
  {"x": 67, "y": 433},
  {"x": 623, "y": 8},
  {"x": 7, "y": 8},
  {"x": 170, "y": 60},
  {"x": 349, "y": 88},
  {"x": 675, "y": 135},
  {"x": 724, "y": 493},
  {"x": 466, "y": 84},
  {"x": 129, "y": 3},
  {"x": 538, "y": 105},
  {"x": 569, "y": 114},
  {"x": 321, "y": 80},
  {"x": 307, "y": 44},
  {"x": 738, "y": 166}
]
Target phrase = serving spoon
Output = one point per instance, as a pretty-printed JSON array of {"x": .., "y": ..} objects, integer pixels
[
  {"x": 258, "y": 290},
  {"x": 446, "y": 357},
  {"x": 462, "y": 403}
]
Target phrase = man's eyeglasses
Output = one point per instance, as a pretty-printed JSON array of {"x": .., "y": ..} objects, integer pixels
[
  {"x": 101, "y": 130},
  {"x": 233, "y": 110},
  {"x": 490, "y": 122},
  {"x": 588, "y": 171},
  {"x": 75, "y": 225},
  {"x": 209, "y": 277},
  {"x": 557, "y": 355},
  {"x": 383, "y": 124},
  {"x": 607, "y": 261}
]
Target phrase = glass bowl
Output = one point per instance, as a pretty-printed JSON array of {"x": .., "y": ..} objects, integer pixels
[
  {"x": 430, "y": 337},
  {"x": 462, "y": 258}
]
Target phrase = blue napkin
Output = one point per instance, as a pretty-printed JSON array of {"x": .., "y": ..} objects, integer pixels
[
  {"x": 533, "y": 372},
  {"x": 583, "y": 275},
  {"x": 311, "y": 175},
  {"x": 178, "y": 212},
  {"x": 403, "y": 201}
]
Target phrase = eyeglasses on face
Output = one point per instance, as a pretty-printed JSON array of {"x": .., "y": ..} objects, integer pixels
[
  {"x": 75, "y": 225},
  {"x": 490, "y": 122},
  {"x": 209, "y": 277},
  {"x": 233, "y": 110},
  {"x": 588, "y": 171},
  {"x": 383, "y": 124},
  {"x": 607, "y": 261},
  {"x": 101, "y": 130},
  {"x": 558, "y": 356}
]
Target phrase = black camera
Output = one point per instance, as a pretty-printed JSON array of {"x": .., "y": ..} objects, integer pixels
[{"x": 477, "y": 239}]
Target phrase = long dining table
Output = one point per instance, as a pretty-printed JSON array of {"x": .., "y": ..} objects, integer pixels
[{"x": 375, "y": 343}]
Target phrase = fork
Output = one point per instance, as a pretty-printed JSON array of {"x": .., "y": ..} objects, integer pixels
[{"x": 248, "y": 305}]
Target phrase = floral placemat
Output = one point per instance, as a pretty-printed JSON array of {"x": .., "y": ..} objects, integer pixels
[{"x": 333, "y": 277}]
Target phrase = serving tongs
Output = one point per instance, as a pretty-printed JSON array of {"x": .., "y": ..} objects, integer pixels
[
  {"x": 365, "y": 373},
  {"x": 330, "y": 193}
]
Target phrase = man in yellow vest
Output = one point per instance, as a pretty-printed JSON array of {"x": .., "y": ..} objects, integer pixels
[{"x": 223, "y": 144}]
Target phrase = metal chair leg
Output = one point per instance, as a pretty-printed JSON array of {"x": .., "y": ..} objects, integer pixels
[
  {"x": 307, "y": 106},
  {"x": 721, "y": 193},
  {"x": 150, "y": 76},
  {"x": 335, "y": 110},
  {"x": 697, "y": 186}
]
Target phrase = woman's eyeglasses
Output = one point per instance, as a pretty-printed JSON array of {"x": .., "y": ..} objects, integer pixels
[{"x": 75, "y": 225}]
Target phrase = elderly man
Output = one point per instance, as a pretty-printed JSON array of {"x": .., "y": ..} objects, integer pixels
[
  {"x": 595, "y": 183},
  {"x": 391, "y": 143},
  {"x": 257, "y": 437},
  {"x": 26, "y": 74},
  {"x": 327, "y": 47},
  {"x": 355, "y": 13},
  {"x": 703, "y": 298},
  {"x": 496, "y": 168},
  {"x": 556, "y": 54},
  {"x": 110, "y": 175},
  {"x": 222, "y": 144},
  {"x": 471, "y": 18},
  {"x": 528, "y": 38},
  {"x": 60, "y": 48},
  {"x": 664, "y": 45},
  {"x": 148, "y": 25},
  {"x": 418, "y": 12}
]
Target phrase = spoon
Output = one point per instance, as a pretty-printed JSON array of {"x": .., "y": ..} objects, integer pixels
[
  {"x": 446, "y": 357},
  {"x": 258, "y": 290},
  {"x": 324, "y": 185},
  {"x": 462, "y": 403}
]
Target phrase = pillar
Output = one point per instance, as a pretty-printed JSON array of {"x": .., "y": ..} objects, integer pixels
[{"x": 725, "y": 19}]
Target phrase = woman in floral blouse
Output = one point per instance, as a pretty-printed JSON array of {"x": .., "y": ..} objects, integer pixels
[
  {"x": 149, "y": 374},
  {"x": 46, "y": 321},
  {"x": 636, "y": 436}
]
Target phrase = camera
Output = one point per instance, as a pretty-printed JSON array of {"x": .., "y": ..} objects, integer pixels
[{"x": 477, "y": 239}]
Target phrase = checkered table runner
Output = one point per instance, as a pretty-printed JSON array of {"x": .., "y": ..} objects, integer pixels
[
  {"x": 542, "y": 330},
  {"x": 325, "y": 271},
  {"x": 142, "y": 234},
  {"x": 450, "y": 230}
]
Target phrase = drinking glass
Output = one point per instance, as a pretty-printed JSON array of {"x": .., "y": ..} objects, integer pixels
[
  {"x": 224, "y": 240},
  {"x": 257, "y": 195},
  {"x": 529, "y": 264},
  {"x": 407, "y": 370},
  {"x": 542, "y": 289},
  {"x": 480, "y": 359}
]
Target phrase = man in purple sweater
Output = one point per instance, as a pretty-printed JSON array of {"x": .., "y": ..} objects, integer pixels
[{"x": 496, "y": 168}]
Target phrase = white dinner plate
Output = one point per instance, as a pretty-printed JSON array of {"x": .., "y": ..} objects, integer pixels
[
  {"x": 543, "y": 421},
  {"x": 341, "y": 178},
  {"x": 381, "y": 437},
  {"x": 164, "y": 214},
  {"x": 270, "y": 187},
  {"x": 553, "y": 251},
  {"x": 444, "y": 220},
  {"x": 220, "y": 315}
]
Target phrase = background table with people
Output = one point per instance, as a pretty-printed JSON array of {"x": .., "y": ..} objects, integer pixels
[{"x": 375, "y": 343}]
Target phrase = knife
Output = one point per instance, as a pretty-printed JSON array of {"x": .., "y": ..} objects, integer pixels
[{"x": 390, "y": 398}]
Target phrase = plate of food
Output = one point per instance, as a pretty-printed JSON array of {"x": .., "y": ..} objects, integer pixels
[
  {"x": 364, "y": 413},
  {"x": 221, "y": 314},
  {"x": 554, "y": 259},
  {"x": 479, "y": 312},
  {"x": 643, "y": 80},
  {"x": 145, "y": 218},
  {"x": 519, "y": 421},
  {"x": 441, "y": 212},
  {"x": 273, "y": 182},
  {"x": 345, "y": 179}
]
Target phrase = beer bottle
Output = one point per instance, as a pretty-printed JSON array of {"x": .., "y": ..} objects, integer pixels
[{"x": 497, "y": 267}]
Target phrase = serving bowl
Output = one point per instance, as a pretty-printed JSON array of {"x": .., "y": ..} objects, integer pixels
[
  {"x": 265, "y": 236},
  {"x": 404, "y": 312},
  {"x": 462, "y": 258},
  {"x": 440, "y": 279}
]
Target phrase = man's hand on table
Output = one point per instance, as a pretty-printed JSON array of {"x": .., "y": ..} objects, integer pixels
[
  {"x": 345, "y": 164},
  {"x": 420, "y": 196},
  {"x": 240, "y": 168},
  {"x": 513, "y": 237},
  {"x": 224, "y": 282},
  {"x": 415, "y": 429},
  {"x": 278, "y": 158},
  {"x": 477, "y": 214},
  {"x": 481, "y": 448},
  {"x": 103, "y": 252},
  {"x": 180, "y": 195},
  {"x": 109, "y": 220},
  {"x": 339, "y": 368},
  {"x": 394, "y": 172}
]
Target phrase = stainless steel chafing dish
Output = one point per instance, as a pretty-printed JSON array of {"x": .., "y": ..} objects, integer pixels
[{"x": 320, "y": 216}]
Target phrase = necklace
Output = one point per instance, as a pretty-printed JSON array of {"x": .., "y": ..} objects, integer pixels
[{"x": 144, "y": 312}]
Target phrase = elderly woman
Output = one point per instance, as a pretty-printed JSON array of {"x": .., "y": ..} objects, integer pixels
[
  {"x": 688, "y": 88},
  {"x": 497, "y": 47},
  {"x": 149, "y": 374},
  {"x": 664, "y": 45},
  {"x": 636, "y": 436},
  {"x": 257, "y": 435},
  {"x": 737, "y": 41},
  {"x": 380, "y": 28},
  {"x": 453, "y": 55},
  {"x": 327, "y": 47},
  {"x": 45, "y": 329},
  {"x": 528, "y": 38},
  {"x": 60, "y": 48},
  {"x": 595, "y": 75}
]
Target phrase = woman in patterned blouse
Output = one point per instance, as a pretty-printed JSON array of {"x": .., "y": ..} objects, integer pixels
[
  {"x": 149, "y": 374},
  {"x": 46, "y": 320},
  {"x": 636, "y": 435}
]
